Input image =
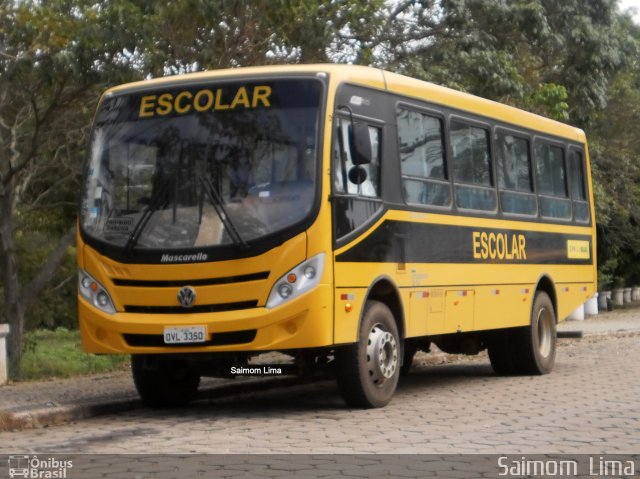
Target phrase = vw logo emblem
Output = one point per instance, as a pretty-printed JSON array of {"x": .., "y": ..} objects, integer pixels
[{"x": 187, "y": 296}]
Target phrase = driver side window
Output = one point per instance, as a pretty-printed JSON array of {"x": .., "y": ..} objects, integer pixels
[
  {"x": 367, "y": 177},
  {"x": 356, "y": 188}
]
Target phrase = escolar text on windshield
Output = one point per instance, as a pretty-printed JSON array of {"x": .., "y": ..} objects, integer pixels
[{"x": 206, "y": 99}]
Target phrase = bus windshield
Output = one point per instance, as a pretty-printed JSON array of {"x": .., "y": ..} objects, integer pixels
[{"x": 202, "y": 165}]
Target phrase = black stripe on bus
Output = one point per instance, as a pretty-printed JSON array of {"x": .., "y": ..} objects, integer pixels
[{"x": 409, "y": 242}]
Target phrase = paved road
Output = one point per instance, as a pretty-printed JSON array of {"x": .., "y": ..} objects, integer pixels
[{"x": 588, "y": 405}]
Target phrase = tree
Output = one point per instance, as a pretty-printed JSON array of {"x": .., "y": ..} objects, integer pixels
[
  {"x": 615, "y": 152},
  {"x": 541, "y": 55},
  {"x": 52, "y": 56},
  {"x": 195, "y": 35}
]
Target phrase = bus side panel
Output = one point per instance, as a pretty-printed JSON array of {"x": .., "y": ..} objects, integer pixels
[
  {"x": 448, "y": 298},
  {"x": 417, "y": 313},
  {"x": 348, "y": 310},
  {"x": 571, "y": 296},
  {"x": 503, "y": 306}
]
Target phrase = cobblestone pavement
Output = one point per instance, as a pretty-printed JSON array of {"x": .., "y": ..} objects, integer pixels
[
  {"x": 588, "y": 405},
  {"x": 117, "y": 387},
  {"x": 98, "y": 388}
]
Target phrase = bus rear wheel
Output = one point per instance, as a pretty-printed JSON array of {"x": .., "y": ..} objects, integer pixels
[
  {"x": 161, "y": 382},
  {"x": 530, "y": 349},
  {"x": 501, "y": 353},
  {"x": 537, "y": 342},
  {"x": 368, "y": 371}
]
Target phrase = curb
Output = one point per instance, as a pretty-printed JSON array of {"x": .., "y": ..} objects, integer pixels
[
  {"x": 583, "y": 334},
  {"x": 45, "y": 417},
  {"x": 55, "y": 416}
]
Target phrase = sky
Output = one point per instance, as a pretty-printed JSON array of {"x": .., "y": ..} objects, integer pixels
[{"x": 626, "y": 4}]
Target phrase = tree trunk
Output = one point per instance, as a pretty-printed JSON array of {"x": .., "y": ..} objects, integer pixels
[
  {"x": 13, "y": 310},
  {"x": 43, "y": 277}
]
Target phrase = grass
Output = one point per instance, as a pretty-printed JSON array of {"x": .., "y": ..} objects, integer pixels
[{"x": 58, "y": 353}]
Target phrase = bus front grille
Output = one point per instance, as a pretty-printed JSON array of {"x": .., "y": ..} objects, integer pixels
[
  {"x": 198, "y": 308},
  {"x": 242, "y": 278}
]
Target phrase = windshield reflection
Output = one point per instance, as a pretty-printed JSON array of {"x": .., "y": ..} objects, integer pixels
[{"x": 202, "y": 179}]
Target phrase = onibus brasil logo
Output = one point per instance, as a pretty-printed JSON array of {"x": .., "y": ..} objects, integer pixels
[{"x": 33, "y": 467}]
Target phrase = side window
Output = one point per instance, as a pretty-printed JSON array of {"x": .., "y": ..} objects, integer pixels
[
  {"x": 578, "y": 185},
  {"x": 513, "y": 165},
  {"x": 356, "y": 188},
  {"x": 472, "y": 166},
  {"x": 551, "y": 181},
  {"x": 422, "y": 163},
  {"x": 343, "y": 165}
]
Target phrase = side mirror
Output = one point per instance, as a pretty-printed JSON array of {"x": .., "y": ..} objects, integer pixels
[{"x": 360, "y": 144}]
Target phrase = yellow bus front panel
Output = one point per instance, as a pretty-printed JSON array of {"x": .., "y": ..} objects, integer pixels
[
  {"x": 303, "y": 323},
  {"x": 146, "y": 303}
]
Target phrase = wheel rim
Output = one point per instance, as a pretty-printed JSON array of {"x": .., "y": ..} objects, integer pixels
[
  {"x": 382, "y": 355},
  {"x": 545, "y": 332}
]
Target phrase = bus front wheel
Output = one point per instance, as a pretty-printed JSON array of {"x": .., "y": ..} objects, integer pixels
[
  {"x": 163, "y": 383},
  {"x": 368, "y": 371}
]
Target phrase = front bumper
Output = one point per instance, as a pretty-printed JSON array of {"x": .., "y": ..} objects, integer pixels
[{"x": 304, "y": 322}]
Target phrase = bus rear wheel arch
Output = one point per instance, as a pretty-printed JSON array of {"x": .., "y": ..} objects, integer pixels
[{"x": 367, "y": 371}]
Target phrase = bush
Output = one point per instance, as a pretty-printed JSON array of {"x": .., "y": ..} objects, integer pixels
[{"x": 58, "y": 353}]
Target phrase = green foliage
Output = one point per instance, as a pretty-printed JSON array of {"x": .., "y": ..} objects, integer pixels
[
  {"x": 58, "y": 354},
  {"x": 525, "y": 52},
  {"x": 550, "y": 100},
  {"x": 615, "y": 153}
]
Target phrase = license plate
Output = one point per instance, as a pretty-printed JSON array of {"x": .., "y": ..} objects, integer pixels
[{"x": 185, "y": 335}]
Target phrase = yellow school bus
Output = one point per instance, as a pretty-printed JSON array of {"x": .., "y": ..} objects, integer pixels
[{"x": 344, "y": 216}]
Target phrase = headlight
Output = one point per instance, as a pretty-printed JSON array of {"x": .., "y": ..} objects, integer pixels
[
  {"x": 299, "y": 280},
  {"x": 94, "y": 292}
]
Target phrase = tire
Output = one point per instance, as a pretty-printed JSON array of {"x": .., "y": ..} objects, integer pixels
[
  {"x": 501, "y": 353},
  {"x": 527, "y": 350},
  {"x": 162, "y": 383},
  {"x": 537, "y": 343},
  {"x": 367, "y": 371},
  {"x": 410, "y": 350}
]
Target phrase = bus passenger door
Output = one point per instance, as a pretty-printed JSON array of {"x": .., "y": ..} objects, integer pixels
[{"x": 459, "y": 310}]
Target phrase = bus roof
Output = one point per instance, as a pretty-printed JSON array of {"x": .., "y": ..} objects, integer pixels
[{"x": 385, "y": 80}]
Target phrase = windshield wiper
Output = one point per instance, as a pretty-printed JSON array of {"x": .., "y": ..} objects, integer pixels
[
  {"x": 218, "y": 204},
  {"x": 158, "y": 199}
]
